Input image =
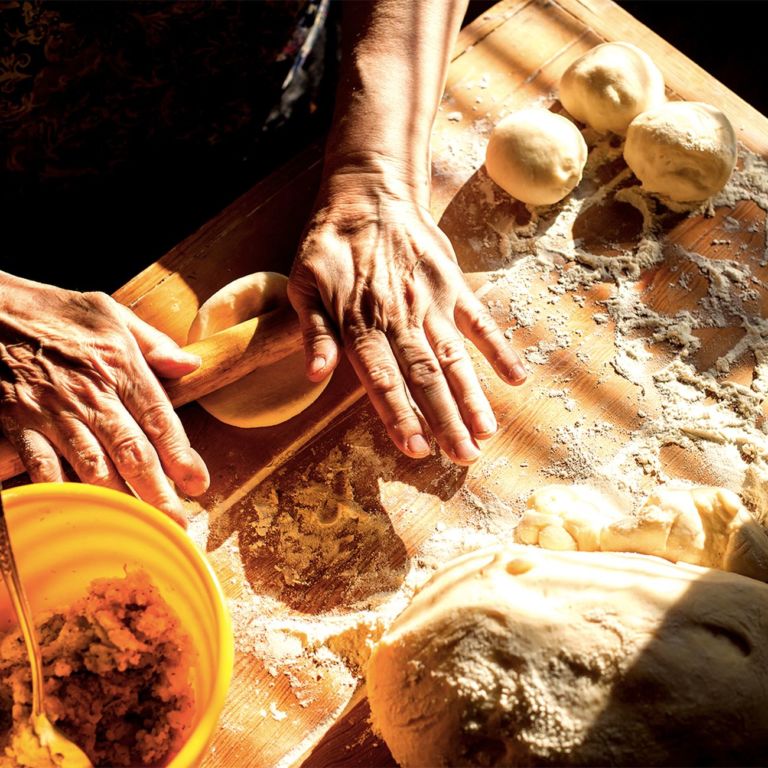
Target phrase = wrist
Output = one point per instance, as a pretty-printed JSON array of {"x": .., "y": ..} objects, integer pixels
[
  {"x": 376, "y": 173},
  {"x": 18, "y": 293},
  {"x": 11, "y": 287}
]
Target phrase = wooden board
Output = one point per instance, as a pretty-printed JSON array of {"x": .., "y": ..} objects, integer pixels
[{"x": 317, "y": 527}]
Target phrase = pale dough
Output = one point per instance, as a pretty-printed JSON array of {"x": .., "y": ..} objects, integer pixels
[
  {"x": 610, "y": 85},
  {"x": 684, "y": 151},
  {"x": 704, "y": 525},
  {"x": 536, "y": 156},
  {"x": 269, "y": 395},
  {"x": 517, "y": 656}
]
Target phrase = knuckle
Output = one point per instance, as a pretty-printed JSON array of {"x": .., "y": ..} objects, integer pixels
[
  {"x": 92, "y": 467},
  {"x": 162, "y": 498},
  {"x": 317, "y": 334},
  {"x": 401, "y": 425},
  {"x": 450, "y": 352},
  {"x": 133, "y": 457},
  {"x": 41, "y": 467},
  {"x": 472, "y": 402},
  {"x": 97, "y": 298},
  {"x": 159, "y": 422},
  {"x": 355, "y": 330},
  {"x": 101, "y": 303},
  {"x": 384, "y": 378},
  {"x": 318, "y": 238},
  {"x": 424, "y": 371},
  {"x": 482, "y": 325}
]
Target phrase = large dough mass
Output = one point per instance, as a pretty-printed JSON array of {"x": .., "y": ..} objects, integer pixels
[
  {"x": 268, "y": 395},
  {"x": 517, "y": 656}
]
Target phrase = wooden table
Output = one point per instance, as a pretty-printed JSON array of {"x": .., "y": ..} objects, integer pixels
[{"x": 292, "y": 702}]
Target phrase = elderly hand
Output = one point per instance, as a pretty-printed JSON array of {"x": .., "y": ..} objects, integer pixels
[
  {"x": 78, "y": 376},
  {"x": 375, "y": 272}
]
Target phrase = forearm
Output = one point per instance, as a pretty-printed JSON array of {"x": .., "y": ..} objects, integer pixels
[
  {"x": 395, "y": 58},
  {"x": 374, "y": 272}
]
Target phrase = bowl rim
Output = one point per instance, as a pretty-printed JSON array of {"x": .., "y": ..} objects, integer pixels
[{"x": 195, "y": 746}]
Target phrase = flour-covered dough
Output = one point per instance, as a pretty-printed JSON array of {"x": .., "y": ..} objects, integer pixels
[
  {"x": 268, "y": 395},
  {"x": 518, "y": 656},
  {"x": 610, "y": 85},
  {"x": 703, "y": 525},
  {"x": 684, "y": 151},
  {"x": 536, "y": 156}
]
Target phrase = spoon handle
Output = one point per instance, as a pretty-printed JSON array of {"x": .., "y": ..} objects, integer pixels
[{"x": 23, "y": 612}]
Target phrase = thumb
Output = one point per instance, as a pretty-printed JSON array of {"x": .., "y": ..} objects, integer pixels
[{"x": 164, "y": 356}]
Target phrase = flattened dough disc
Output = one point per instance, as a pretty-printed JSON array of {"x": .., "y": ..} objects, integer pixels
[{"x": 268, "y": 395}]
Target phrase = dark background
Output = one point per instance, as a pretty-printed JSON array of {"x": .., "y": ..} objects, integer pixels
[
  {"x": 728, "y": 38},
  {"x": 100, "y": 243}
]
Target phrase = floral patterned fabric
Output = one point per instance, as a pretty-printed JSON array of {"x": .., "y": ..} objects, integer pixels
[{"x": 87, "y": 87}]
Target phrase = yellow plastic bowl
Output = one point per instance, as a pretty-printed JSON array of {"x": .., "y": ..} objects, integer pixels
[{"x": 64, "y": 535}]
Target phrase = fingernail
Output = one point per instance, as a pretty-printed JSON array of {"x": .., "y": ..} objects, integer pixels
[
  {"x": 317, "y": 365},
  {"x": 519, "y": 373},
  {"x": 483, "y": 424},
  {"x": 194, "y": 476},
  {"x": 195, "y": 484},
  {"x": 465, "y": 450},
  {"x": 417, "y": 445}
]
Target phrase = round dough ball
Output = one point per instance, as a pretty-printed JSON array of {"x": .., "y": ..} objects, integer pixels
[
  {"x": 536, "y": 156},
  {"x": 266, "y": 396},
  {"x": 517, "y": 656},
  {"x": 683, "y": 150},
  {"x": 610, "y": 85}
]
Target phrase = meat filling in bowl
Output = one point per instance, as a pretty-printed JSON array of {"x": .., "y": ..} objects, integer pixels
[{"x": 116, "y": 665}]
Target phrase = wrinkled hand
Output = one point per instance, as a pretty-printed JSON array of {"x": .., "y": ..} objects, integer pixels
[
  {"x": 78, "y": 377},
  {"x": 375, "y": 273}
]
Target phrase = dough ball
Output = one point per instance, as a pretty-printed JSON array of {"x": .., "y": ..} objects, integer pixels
[
  {"x": 517, "y": 656},
  {"x": 610, "y": 85},
  {"x": 268, "y": 395},
  {"x": 536, "y": 156},
  {"x": 683, "y": 150}
]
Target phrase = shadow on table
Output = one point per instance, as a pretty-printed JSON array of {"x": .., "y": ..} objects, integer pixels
[{"x": 317, "y": 534}]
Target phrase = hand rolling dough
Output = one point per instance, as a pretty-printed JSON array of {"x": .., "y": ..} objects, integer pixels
[
  {"x": 269, "y": 395},
  {"x": 517, "y": 656}
]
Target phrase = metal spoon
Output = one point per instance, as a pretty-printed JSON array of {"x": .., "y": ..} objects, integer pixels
[{"x": 62, "y": 751}]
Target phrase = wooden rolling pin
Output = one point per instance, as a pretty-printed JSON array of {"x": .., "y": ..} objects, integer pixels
[{"x": 226, "y": 357}]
